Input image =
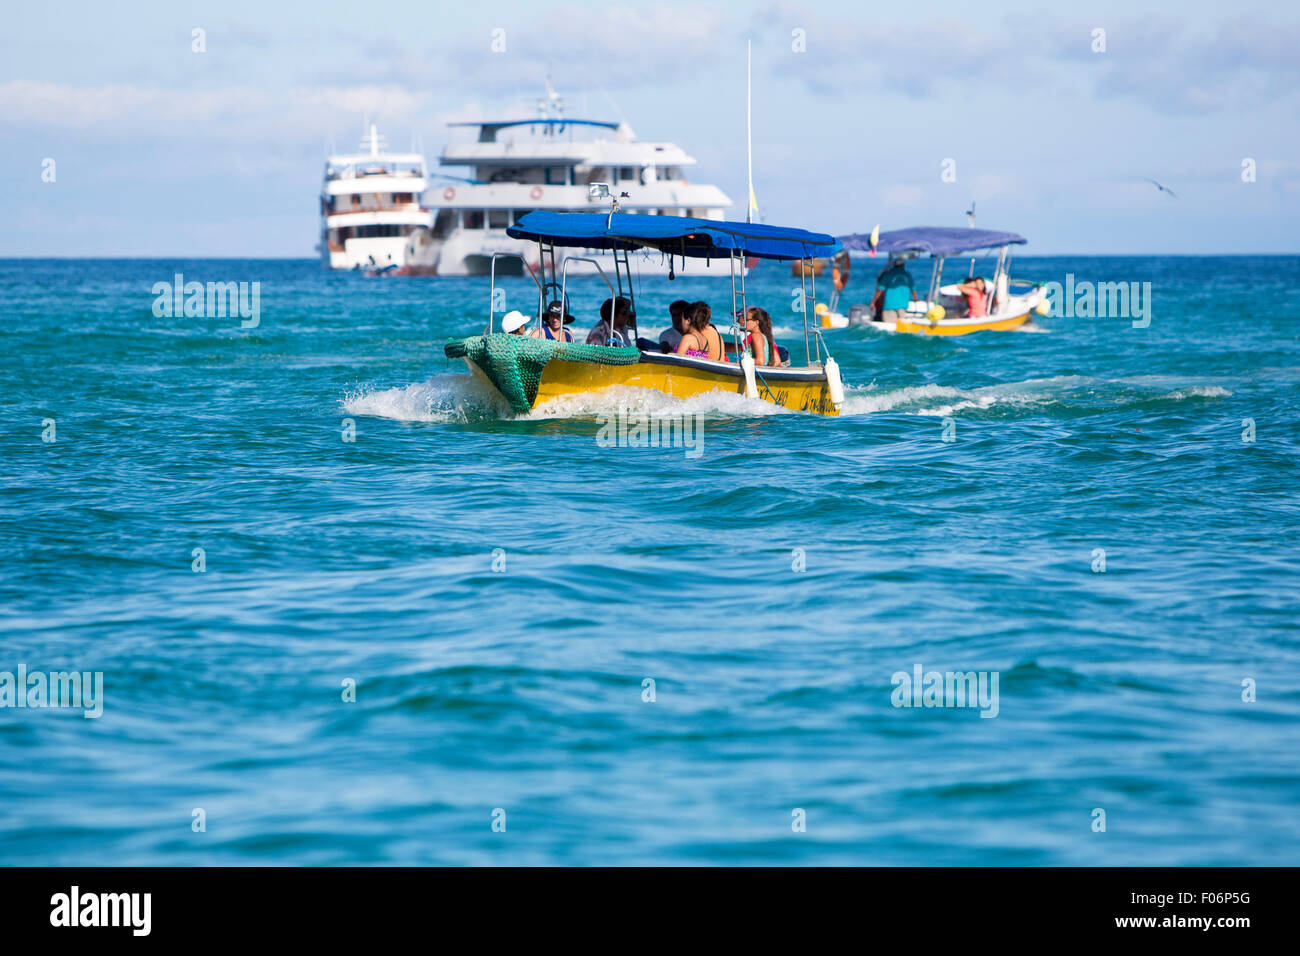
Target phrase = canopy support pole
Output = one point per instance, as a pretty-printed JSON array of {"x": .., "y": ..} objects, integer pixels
[
  {"x": 813, "y": 284},
  {"x": 936, "y": 281},
  {"x": 492, "y": 292},
  {"x": 631, "y": 293},
  {"x": 732, "y": 260},
  {"x": 564, "y": 281},
  {"x": 1006, "y": 269},
  {"x": 1003, "y": 255},
  {"x": 803, "y": 298},
  {"x": 744, "y": 308}
]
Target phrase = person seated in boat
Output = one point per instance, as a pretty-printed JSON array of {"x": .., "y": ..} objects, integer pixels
[
  {"x": 701, "y": 339},
  {"x": 624, "y": 322},
  {"x": 512, "y": 323},
  {"x": 758, "y": 337},
  {"x": 554, "y": 320},
  {"x": 671, "y": 337},
  {"x": 977, "y": 299},
  {"x": 894, "y": 289}
]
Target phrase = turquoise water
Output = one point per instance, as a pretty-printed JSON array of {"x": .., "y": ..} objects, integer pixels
[{"x": 521, "y": 688}]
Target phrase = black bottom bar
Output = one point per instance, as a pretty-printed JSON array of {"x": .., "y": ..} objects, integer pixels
[{"x": 333, "y": 906}]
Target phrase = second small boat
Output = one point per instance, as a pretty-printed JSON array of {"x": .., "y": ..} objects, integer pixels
[{"x": 1009, "y": 303}]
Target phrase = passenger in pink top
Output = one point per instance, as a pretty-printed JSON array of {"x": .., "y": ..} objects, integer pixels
[{"x": 976, "y": 297}]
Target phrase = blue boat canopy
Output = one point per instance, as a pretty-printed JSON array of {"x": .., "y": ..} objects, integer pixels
[
  {"x": 936, "y": 240},
  {"x": 678, "y": 235}
]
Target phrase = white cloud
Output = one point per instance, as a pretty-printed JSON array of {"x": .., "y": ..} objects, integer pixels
[{"x": 125, "y": 110}]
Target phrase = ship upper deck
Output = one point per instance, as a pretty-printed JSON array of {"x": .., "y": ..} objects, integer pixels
[{"x": 558, "y": 142}]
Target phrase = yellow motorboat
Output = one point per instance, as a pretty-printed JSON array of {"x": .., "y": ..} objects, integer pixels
[
  {"x": 529, "y": 371},
  {"x": 1010, "y": 303}
]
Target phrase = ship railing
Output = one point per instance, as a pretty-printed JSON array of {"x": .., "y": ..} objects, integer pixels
[{"x": 383, "y": 207}]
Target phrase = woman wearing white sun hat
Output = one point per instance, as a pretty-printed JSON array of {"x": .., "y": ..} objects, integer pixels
[{"x": 513, "y": 323}]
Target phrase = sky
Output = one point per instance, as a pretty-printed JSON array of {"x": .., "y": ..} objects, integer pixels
[{"x": 859, "y": 109}]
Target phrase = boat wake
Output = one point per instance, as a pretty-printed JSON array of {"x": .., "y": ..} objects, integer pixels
[
  {"x": 456, "y": 398},
  {"x": 1076, "y": 392},
  {"x": 448, "y": 398}
]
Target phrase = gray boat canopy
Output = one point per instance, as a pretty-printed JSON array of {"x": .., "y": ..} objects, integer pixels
[{"x": 934, "y": 240}]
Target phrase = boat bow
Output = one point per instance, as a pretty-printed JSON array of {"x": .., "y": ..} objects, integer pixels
[{"x": 514, "y": 363}]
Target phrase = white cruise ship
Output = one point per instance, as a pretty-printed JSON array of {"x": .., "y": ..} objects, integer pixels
[
  {"x": 372, "y": 211},
  {"x": 511, "y": 167}
]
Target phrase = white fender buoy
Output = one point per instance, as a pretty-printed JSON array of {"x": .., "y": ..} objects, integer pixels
[
  {"x": 747, "y": 366},
  {"x": 834, "y": 384}
]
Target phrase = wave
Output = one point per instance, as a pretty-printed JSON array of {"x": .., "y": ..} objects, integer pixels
[{"x": 457, "y": 398}]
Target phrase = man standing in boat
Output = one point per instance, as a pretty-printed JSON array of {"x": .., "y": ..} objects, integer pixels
[
  {"x": 624, "y": 323},
  {"x": 892, "y": 292}
]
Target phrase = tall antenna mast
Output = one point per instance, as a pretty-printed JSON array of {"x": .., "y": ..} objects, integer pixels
[{"x": 749, "y": 133}]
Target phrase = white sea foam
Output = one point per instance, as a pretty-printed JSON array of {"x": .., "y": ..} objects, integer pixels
[
  {"x": 447, "y": 397},
  {"x": 453, "y": 397},
  {"x": 1200, "y": 391},
  {"x": 864, "y": 401},
  {"x": 1062, "y": 389}
]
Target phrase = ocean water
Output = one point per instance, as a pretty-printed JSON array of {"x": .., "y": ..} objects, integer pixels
[{"x": 770, "y": 586}]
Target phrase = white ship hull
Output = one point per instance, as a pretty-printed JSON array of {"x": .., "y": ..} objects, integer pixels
[{"x": 413, "y": 253}]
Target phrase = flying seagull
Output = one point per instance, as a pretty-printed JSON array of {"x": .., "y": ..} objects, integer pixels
[{"x": 1163, "y": 189}]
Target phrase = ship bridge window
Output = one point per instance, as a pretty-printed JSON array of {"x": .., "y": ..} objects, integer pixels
[
  {"x": 375, "y": 232},
  {"x": 626, "y": 174},
  {"x": 473, "y": 218},
  {"x": 366, "y": 232},
  {"x": 557, "y": 175},
  {"x": 498, "y": 218}
]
